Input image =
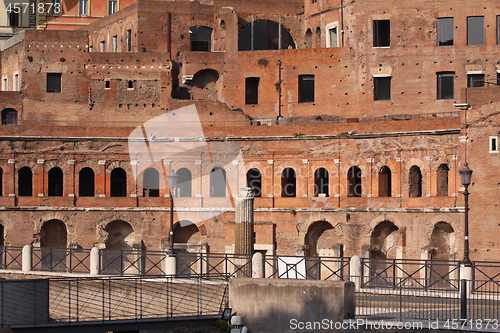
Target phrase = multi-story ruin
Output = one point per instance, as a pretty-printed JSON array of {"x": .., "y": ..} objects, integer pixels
[{"x": 352, "y": 118}]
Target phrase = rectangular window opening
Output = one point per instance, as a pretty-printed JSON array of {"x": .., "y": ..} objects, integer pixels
[
  {"x": 102, "y": 45},
  {"x": 306, "y": 88},
  {"x": 446, "y": 85},
  {"x": 107, "y": 84},
  {"x": 83, "y": 7},
  {"x": 332, "y": 34},
  {"x": 5, "y": 83},
  {"x": 115, "y": 43},
  {"x": 129, "y": 40},
  {"x": 475, "y": 30},
  {"x": 130, "y": 84},
  {"x": 54, "y": 82},
  {"x": 445, "y": 31},
  {"x": 382, "y": 88},
  {"x": 381, "y": 33},
  {"x": 475, "y": 80},
  {"x": 112, "y": 7},
  {"x": 16, "y": 82},
  {"x": 252, "y": 90},
  {"x": 493, "y": 144}
]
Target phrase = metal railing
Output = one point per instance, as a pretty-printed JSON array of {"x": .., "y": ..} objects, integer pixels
[
  {"x": 61, "y": 260},
  {"x": 403, "y": 302},
  {"x": 11, "y": 257},
  {"x": 55, "y": 302}
]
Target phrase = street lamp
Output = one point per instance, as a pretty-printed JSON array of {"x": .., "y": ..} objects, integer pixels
[
  {"x": 172, "y": 182},
  {"x": 466, "y": 174}
]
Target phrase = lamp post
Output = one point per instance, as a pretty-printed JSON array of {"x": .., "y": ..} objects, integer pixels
[
  {"x": 172, "y": 182},
  {"x": 465, "y": 175}
]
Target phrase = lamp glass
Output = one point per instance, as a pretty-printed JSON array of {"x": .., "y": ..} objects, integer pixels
[
  {"x": 172, "y": 179},
  {"x": 465, "y": 175}
]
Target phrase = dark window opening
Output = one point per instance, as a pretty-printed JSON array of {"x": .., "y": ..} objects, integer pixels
[
  {"x": 446, "y": 85},
  {"x": 288, "y": 183},
  {"x": 384, "y": 182},
  {"x": 382, "y": 88},
  {"x": 217, "y": 182},
  {"x": 252, "y": 90},
  {"x": 130, "y": 84},
  {"x": 498, "y": 79},
  {"x": 306, "y": 88},
  {"x": 25, "y": 182},
  {"x": 1, "y": 182},
  {"x": 442, "y": 180},
  {"x": 475, "y": 80},
  {"x": 151, "y": 183},
  {"x": 321, "y": 183},
  {"x": 184, "y": 182},
  {"x": 354, "y": 182},
  {"x": 201, "y": 38},
  {"x": 415, "y": 182},
  {"x": 112, "y": 6},
  {"x": 118, "y": 183},
  {"x": 265, "y": 36},
  {"x": 254, "y": 180},
  {"x": 15, "y": 18},
  {"x": 55, "y": 182},
  {"x": 493, "y": 144},
  {"x": 86, "y": 182},
  {"x": 129, "y": 40},
  {"x": 475, "y": 30},
  {"x": 54, "y": 82},
  {"x": 107, "y": 84},
  {"x": 381, "y": 33},
  {"x": 9, "y": 117},
  {"x": 445, "y": 31}
]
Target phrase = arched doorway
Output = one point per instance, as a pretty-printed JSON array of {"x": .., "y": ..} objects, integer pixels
[
  {"x": 188, "y": 247},
  {"x": 320, "y": 238},
  {"x": 204, "y": 85},
  {"x": 118, "y": 257},
  {"x": 384, "y": 241},
  {"x": 442, "y": 239},
  {"x": 53, "y": 243}
]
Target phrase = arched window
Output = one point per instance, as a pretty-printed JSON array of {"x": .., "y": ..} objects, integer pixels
[
  {"x": 318, "y": 37},
  {"x": 151, "y": 183},
  {"x": 55, "y": 182},
  {"x": 288, "y": 183},
  {"x": 86, "y": 181},
  {"x": 442, "y": 180},
  {"x": 309, "y": 36},
  {"x": 118, "y": 183},
  {"x": 9, "y": 117},
  {"x": 384, "y": 182},
  {"x": 321, "y": 182},
  {"x": 265, "y": 35},
  {"x": 25, "y": 182},
  {"x": 415, "y": 182},
  {"x": 254, "y": 180},
  {"x": 217, "y": 182},
  {"x": 354, "y": 182},
  {"x": 201, "y": 38},
  {"x": 184, "y": 182}
]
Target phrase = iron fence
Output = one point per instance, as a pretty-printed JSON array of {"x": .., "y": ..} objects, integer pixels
[
  {"x": 60, "y": 260},
  {"x": 11, "y": 257},
  {"x": 48, "y": 302},
  {"x": 313, "y": 268},
  {"x": 406, "y": 303}
]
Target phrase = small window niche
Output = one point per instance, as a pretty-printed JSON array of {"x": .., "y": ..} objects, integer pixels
[
  {"x": 107, "y": 84},
  {"x": 381, "y": 33},
  {"x": 252, "y": 90},
  {"x": 493, "y": 144},
  {"x": 382, "y": 88},
  {"x": 54, "y": 82},
  {"x": 130, "y": 85}
]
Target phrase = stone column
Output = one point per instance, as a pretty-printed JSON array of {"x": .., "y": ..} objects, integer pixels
[
  {"x": 95, "y": 263},
  {"x": 27, "y": 263},
  {"x": 243, "y": 243},
  {"x": 243, "y": 238}
]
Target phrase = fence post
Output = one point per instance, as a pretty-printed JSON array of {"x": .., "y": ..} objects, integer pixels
[
  {"x": 355, "y": 271},
  {"x": 27, "y": 260},
  {"x": 94, "y": 261},
  {"x": 170, "y": 265},
  {"x": 258, "y": 265},
  {"x": 465, "y": 289}
]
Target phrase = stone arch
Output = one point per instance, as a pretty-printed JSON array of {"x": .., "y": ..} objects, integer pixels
[
  {"x": 266, "y": 33},
  {"x": 116, "y": 31},
  {"x": 9, "y": 116},
  {"x": 56, "y": 164},
  {"x": 442, "y": 241},
  {"x": 384, "y": 240},
  {"x": 186, "y": 232},
  {"x": 102, "y": 234},
  {"x": 120, "y": 235},
  {"x": 308, "y": 39},
  {"x": 54, "y": 234},
  {"x": 205, "y": 85},
  {"x": 321, "y": 236}
]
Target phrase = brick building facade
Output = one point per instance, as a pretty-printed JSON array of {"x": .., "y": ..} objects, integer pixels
[{"x": 351, "y": 119}]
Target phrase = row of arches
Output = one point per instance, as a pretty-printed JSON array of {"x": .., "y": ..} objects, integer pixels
[
  {"x": 385, "y": 238},
  {"x": 151, "y": 182}
]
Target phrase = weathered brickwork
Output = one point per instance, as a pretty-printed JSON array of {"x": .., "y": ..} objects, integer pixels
[{"x": 346, "y": 168}]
